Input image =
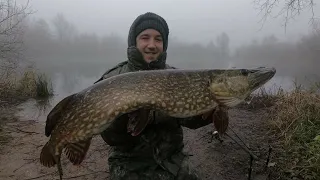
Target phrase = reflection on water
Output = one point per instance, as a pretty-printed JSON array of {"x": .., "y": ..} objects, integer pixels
[
  {"x": 36, "y": 109},
  {"x": 63, "y": 86},
  {"x": 286, "y": 83},
  {"x": 66, "y": 85}
]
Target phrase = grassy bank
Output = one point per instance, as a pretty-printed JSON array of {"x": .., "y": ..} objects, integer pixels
[
  {"x": 17, "y": 86},
  {"x": 26, "y": 84},
  {"x": 294, "y": 124}
]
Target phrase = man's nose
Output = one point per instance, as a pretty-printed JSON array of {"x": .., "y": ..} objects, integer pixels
[{"x": 151, "y": 44}]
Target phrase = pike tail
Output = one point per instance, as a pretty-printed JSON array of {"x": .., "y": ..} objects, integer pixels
[
  {"x": 48, "y": 159},
  {"x": 76, "y": 152}
]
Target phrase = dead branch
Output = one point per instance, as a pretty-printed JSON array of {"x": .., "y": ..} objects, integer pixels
[
  {"x": 289, "y": 9},
  {"x": 23, "y": 131},
  {"x": 38, "y": 177},
  {"x": 73, "y": 177},
  {"x": 247, "y": 150},
  {"x": 27, "y": 163},
  {"x": 12, "y": 17}
]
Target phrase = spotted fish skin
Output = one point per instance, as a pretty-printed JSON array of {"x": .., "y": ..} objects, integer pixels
[{"x": 179, "y": 93}]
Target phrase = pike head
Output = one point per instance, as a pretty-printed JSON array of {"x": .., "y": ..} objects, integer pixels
[{"x": 232, "y": 86}]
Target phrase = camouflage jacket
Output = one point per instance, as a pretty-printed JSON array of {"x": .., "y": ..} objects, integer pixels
[{"x": 160, "y": 143}]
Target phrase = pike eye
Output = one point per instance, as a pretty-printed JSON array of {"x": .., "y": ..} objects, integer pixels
[{"x": 244, "y": 72}]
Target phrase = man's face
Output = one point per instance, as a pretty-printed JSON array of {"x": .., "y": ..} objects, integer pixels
[{"x": 150, "y": 44}]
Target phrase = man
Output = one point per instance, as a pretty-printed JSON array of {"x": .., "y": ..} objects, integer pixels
[{"x": 156, "y": 153}]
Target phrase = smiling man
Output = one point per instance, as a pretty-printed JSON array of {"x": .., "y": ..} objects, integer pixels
[
  {"x": 150, "y": 44},
  {"x": 156, "y": 153}
]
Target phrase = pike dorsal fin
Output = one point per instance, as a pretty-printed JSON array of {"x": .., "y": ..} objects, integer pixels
[{"x": 54, "y": 116}]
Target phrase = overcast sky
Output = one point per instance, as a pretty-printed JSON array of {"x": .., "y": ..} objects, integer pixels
[{"x": 189, "y": 20}]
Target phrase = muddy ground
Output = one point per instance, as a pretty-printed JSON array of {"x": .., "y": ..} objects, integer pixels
[{"x": 19, "y": 155}]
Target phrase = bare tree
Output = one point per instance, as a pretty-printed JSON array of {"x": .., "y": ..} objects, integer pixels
[
  {"x": 64, "y": 29},
  {"x": 316, "y": 27},
  {"x": 289, "y": 9},
  {"x": 11, "y": 33}
]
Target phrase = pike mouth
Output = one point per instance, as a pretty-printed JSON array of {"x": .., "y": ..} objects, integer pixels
[{"x": 260, "y": 76}]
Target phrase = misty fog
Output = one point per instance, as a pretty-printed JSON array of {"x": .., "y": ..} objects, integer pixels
[{"x": 75, "y": 42}]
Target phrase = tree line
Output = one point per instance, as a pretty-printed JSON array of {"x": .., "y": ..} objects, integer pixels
[
  {"x": 62, "y": 42},
  {"x": 57, "y": 45}
]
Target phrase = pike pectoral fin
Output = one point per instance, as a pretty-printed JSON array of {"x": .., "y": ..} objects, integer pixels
[
  {"x": 76, "y": 152},
  {"x": 46, "y": 158},
  {"x": 221, "y": 120},
  {"x": 138, "y": 121},
  {"x": 55, "y": 114}
]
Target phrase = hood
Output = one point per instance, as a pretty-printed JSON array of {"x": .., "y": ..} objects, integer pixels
[{"x": 136, "y": 61}]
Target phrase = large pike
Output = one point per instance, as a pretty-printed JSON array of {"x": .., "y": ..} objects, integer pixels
[{"x": 178, "y": 93}]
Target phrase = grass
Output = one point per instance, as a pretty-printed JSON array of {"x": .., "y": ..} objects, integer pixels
[
  {"x": 28, "y": 84},
  {"x": 263, "y": 98},
  {"x": 43, "y": 86},
  {"x": 294, "y": 123}
]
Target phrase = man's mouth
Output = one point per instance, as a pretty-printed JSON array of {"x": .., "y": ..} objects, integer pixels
[{"x": 153, "y": 53}]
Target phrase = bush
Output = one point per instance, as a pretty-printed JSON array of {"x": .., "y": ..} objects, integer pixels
[
  {"x": 295, "y": 121},
  {"x": 43, "y": 86},
  {"x": 29, "y": 84}
]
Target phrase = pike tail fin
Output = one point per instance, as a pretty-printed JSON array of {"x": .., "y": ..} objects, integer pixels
[
  {"x": 76, "y": 152},
  {"x": 46, "y": 157}
]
